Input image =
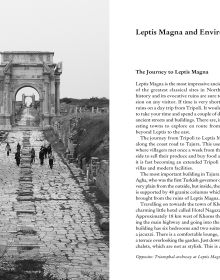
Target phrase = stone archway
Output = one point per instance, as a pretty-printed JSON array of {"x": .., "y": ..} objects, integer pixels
[
  {"x": 17, "y": 92},
  {"x": 29, "y": 69}
]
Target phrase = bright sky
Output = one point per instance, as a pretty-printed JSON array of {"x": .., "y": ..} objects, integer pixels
[{"x": 77, "y": 32}]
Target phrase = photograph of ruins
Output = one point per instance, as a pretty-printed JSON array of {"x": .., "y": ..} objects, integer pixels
[{"x": 54, "y": 145}]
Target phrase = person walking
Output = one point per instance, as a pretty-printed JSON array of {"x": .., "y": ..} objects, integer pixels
[
  {"x": 18, "y": 147},
  {"x": 49, "y": 149},
  {"x": 17, "y": 158},
  {"x": 8, "y": 148},
  {"x": 41, "y": 155},
  {"x": 51, "y": 160},
  {"x": 45, "y": 151},
  {"x": 32, "y": 155}
]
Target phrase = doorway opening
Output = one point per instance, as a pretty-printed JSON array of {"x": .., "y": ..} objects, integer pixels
[{"x": 26, "y": 107}]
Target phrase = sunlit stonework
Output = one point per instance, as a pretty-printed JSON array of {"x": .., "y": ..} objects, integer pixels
[{"x": 34, "y": 69}]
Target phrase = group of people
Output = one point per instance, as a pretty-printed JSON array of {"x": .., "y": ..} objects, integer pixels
[
  {"x": 43, "y": 154},
  {"x": 46, "y": 152}
]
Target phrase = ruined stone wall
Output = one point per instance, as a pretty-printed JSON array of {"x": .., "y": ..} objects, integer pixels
[{"x": 102, "y": 179}]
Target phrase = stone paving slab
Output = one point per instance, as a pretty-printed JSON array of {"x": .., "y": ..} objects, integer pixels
[{"x": 44, "y": 214}]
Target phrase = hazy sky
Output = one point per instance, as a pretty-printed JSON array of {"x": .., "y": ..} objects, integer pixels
[{"x": 77, "y": 32}]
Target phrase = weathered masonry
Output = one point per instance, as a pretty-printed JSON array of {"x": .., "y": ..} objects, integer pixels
[{"x": 29, "y": 69}]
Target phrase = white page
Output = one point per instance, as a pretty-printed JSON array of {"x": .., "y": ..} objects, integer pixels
[{"x": 128, "y": 53}]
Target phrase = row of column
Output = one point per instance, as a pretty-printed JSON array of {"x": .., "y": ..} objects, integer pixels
[{"x": 51, "y": 96}]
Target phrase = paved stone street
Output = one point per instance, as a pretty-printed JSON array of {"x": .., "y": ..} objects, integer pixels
[{"x": 44, "y": 216}]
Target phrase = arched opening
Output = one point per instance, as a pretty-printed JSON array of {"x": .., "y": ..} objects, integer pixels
[
  {"x": 26, "y": 107},
  {"x": 29, "y": 93}
]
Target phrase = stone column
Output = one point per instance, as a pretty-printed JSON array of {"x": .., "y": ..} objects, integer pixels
[
  {"x": 45, "y": 102},
  {"x": 41, "y": 106},
  {"x": 52, "y": 96},
  {"x": 33, "y": 100},
  {"x": 57, "y": 96},
  {"x": 13, "y": 107},
  {"x": 11, "y": 103},
  {"x": 46, "y": 93},
  {"x": 13, "y": 111},
  {"x": 23, "y": 99},
  {"x": 6, "y": 94}
]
